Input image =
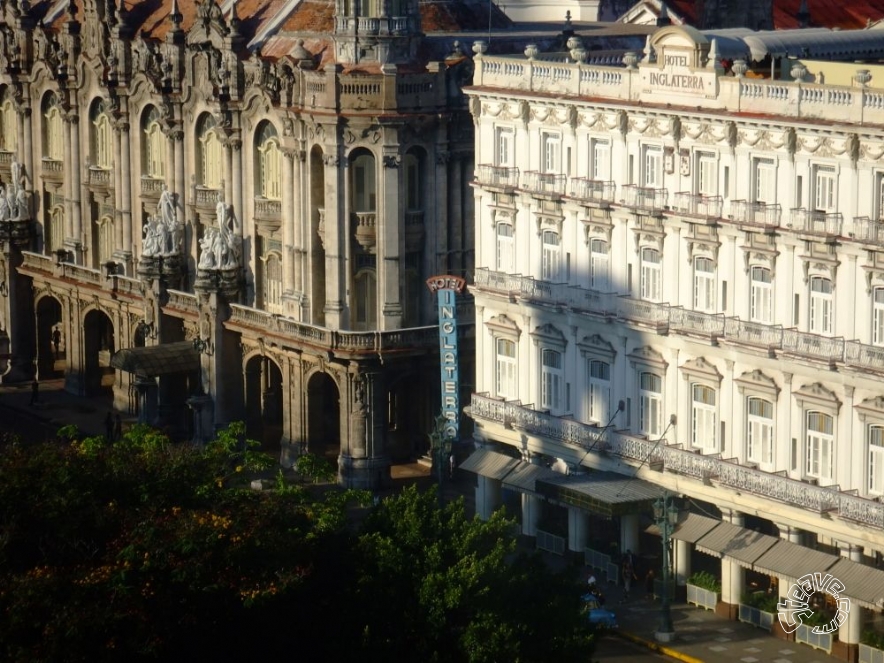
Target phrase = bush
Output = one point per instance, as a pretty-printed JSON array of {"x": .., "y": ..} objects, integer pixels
[
  {"x": 873, "y": 639},
  {"x": 761, "y": 600},
  {"x": 705, "y": 580}
]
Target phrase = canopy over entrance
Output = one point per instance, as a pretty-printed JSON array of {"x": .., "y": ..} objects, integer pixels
[{"x": 158, "y": 360}]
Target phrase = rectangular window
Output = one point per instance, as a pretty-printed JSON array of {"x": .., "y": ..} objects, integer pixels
[
  {"x": 552, "y": 153},
  {"x": 703, "y": 415},
  {"x": 650, "y": 404},
  {"x": 601, "y": 160},
  {"x": 761, "y": 295},
  {"x": 599, "y": 266},
  {"x": 505, "y": 248},
  {"x": 707, "y": 174},
  {"x": 820, "y": 305},
  {"x": 599, "y": 389},
  {"x": 653, "y": 167},
  {"x": 878, "y": 316},
  {"x": 551, "y": 381},
  {"x": 506, "y": 369},
  {"x": 824, "y": 189},
  {"x": 765, "y": 181},
  {"x": 879, "y": 212},
  {"x": 505, "y": 147},
  {"x": 651, "y": 275},
  {"x": 759, "y": 431},
  {"x": 820, "y": 442},
  {"x": 551, "y": 260},
  {"x": 876, "y": 459},
  {"x": 704, "y": 285}
]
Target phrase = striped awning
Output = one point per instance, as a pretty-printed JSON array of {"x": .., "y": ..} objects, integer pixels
[
  {"x": 691, "y": 527},
  {"x": 791, "y": 561},
  {"x": 525, "y": 476},
  {"x": 863, "y": 584},
  {"x": 739, "y": 544},
  {"x": 491, "y": 464},
  {"x": 604, "y": 493}
]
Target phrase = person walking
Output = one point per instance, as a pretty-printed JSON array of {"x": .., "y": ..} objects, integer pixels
[
  {"x": 35, "y": 392},
  {"x": 628, "y": 572},
  {"x": 56, "y": 340}
]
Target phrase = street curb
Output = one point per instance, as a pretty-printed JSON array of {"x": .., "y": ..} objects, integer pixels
[{"x": 662, "y": 649}]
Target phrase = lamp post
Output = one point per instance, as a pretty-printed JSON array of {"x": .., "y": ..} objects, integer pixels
[{"x": 666, "y": 517}]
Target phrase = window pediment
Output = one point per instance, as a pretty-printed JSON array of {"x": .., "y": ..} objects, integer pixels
[
  {"x": 501, "y": 325},
  {"x": 647, "y": 356},
  {"x": 816, "y": 395},
  {"x": 757, "y": 381},
  {"x": 700, "y": 369},
  {"x": 597, "y": 347},
  {"x": 548, "y": 334},
  {"x": 871, "y": 408}
]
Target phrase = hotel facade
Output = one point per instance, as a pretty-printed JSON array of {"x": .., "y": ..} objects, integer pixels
[{"x": 679, "y": 287}]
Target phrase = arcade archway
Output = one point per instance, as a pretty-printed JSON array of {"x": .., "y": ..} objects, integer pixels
[
  {"x": 98, "y": 346},
  {"x": 324, "y": 417},
  {"x": 264, "y": 402},
  {"x": 52, "y": 349}
]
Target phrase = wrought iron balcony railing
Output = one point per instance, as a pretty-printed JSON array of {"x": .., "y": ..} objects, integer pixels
[
  {"x": 497, "y": 176},
  {"x": 595, "y": 191},
  {"x": 647, "y": 199},
  {"x": 755, "y": 213},
  {"x": 868, "y": 230},
  {"x": 548, "y": 184},
  {"x": 813, "y": 222},
  {"x": 695, "y": 204}
]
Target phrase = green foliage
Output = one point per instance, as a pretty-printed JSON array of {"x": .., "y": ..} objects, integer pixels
[
  {"x": 764, "y": 601},
  {"x": 872, "y": 639},
  {"x": 705, "y": 580},
  {"x": 453, "y": 589},
  {"x": 315, "y": 467}
]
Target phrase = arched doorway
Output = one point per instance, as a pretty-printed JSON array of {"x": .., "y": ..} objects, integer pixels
[
  {"x": 98, "y": 339},
  {"x": 51, "y": 356},
  {"x": 264, "y": 402},
  {"x": 324, "y": 417}
]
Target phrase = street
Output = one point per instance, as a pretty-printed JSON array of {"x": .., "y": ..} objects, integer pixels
[{"x": 611, "y": 649}]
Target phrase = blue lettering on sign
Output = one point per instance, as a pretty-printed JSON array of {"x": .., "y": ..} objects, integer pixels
[{"x": 448, "y": 362}]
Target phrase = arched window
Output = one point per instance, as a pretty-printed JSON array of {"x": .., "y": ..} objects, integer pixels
[
  {"x": 552, "y": 381},
  {"x": 703, "y": 416},
  {"x": 366, "y": 299},
  {"x": 599, "y": 266},
  {"x": 759, "y": 431},
  {"x": 364, "y": 195},
  {"x": 8, "y": 125},
  {"x": 821, "y": 305},
  {"x": 599, "y": 390},
  {"x": 53, "y": 129},
  {"x": 704, "y": 285},
  {"x": 269, "y": 163},
  {"x": 761, "y": 295},
  {"x": 651, "y": 275},
  {"x": 506, "y": 250},
  {"x": 650, "y": 404},
  {"x": 551, "y": 260},
  {"x": 101, "y": 134},
  {"x": 211, "y": 155},
  {"x": 876, "y": 459},
  {"x": 878, "y": 316},
  {"x": 505, "y": 380},
  {"x": 819, "y": 446},
  {"x": 154, "y": 146}
]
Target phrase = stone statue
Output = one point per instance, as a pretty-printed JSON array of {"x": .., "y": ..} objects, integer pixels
[
  {"x": 4, "y": 206},
  {"x": 170, "y": 229},
  {"x": 220, "y": 248},
  {"x": 207, "y": 257},
  {"x": 150, "y": 243}
]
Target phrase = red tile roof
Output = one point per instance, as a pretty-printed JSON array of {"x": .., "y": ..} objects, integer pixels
[{"x": 844, "y": 14}]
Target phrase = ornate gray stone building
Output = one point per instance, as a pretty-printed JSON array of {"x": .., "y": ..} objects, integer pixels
[{"x": 229, "y": 210}]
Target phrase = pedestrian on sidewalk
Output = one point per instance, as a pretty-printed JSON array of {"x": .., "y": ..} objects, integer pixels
[
  {"x": 56, "y": 340},
  {"x": 452, "y": 465},
  {"x": 627, "y": 577},
  {"x": 35, "y": 392}
]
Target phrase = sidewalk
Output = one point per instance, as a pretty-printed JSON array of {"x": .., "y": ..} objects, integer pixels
[{"x": 54, "y": 408}]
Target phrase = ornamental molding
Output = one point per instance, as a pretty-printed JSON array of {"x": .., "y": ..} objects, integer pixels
[
  {"x": 757, "y": 381},
  {"x": 549, "y": 334},
  {"x": 596, "y": 347},
  {"x": 871, "y": 408},
  {"x": 701, "y": 368},
  {"x": 818, "y": 266},
  {"x": 502, "y": 325},
  {"x": 816, "y": 395},
  {"x": 647, "y": 356}
]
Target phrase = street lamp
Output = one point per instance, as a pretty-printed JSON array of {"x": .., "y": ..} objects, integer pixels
[{"x": 666, "y": 518}]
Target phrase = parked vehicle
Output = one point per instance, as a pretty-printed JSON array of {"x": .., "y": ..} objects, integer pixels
[{"x": 598, "y": 615}]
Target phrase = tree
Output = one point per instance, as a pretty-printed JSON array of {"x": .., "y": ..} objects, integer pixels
[{"x": 437, "y": 586}]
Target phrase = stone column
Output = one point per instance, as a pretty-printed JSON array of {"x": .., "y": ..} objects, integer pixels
[
  {"x": 488, "y": 496},
  {"x": 363, "y": 462},
  {"x": 288, "y": 224},
  {"x": 126, "y": 196},
  {"x": 118, "y": 168},
  {"x": 629, "y": 533},
  {"x": 682, "y": 562},
  {"x": 530, "y": 514},
  {"x": 732, "y": 575},
  {"x": 336, "y": 236},
  {"x": 147, "y": 397},
  {"x": 577, "y": 530},
  {"x": 389, "y": 224},
  {"x": 847, "y": 645}
]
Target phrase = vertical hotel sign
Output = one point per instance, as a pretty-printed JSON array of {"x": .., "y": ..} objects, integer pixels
[{"x": 446, "y": 289}]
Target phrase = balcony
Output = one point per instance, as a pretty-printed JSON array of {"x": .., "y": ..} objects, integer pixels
[
  {"x": 758, "y": 214},
  {"x": 206, "y": 199},
  {"x": 499, "y": 177},
  {"x": 268, "y": 210},
  {"x": 638, "y": 451},
  {"x": 860, "y": 355},
  {"x": 414, "y": 340},
  {"x": 365, "y": 229},
  {"x": 646, "y": 199},
  {"x": 99, "y": 178},
  {"x": 151, "y": 187},
  {"x": 868, "y": 231},
  {"x": 698, "y": 205},
  {"x": 754, "y": 334},
  {"x": 544, "y": 184},
  {"x": 813, "y": 346},
  {"x": 815, "y": 223},
  {"x": 52, "y": 170},
  {"x": 593, "y": 191},
  {"x": 709, "y": 325}
]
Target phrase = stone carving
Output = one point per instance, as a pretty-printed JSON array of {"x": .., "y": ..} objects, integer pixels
[
  {"x": 221, "y": 247},
  {"x": 163, "y": 232},
  {"x": 14, "y": 198}
]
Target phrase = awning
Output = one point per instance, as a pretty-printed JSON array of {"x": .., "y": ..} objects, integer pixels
[
  {"x": 525, "y": 476},
  {"x": 604, "y": 493},
  {"x": 157, "y": 360},
  {"x": 489, "y": 464},
  {"x": 739, "y": 544},
  {"x": 791, "y": 561},
  {"x": 691, "y": 527},
  {"x": 863, "y": 584}
]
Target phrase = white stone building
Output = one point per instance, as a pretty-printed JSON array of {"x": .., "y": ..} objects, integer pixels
[{"x": 704, "y": 249}]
